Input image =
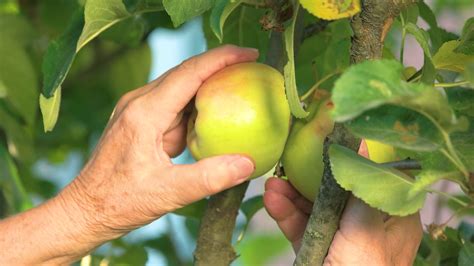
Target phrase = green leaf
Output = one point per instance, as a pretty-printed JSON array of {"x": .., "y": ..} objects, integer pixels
[
  {"x": 421, "y": 36},
  {"x": 184, "y": 10},
  {"x": 138, "y": 5},
  {"x": 11, "y": 185},
  {"x": 19, "y": 137},
  {"x": 128, "y": 32},
  {"x": 466, "y": 255},
  {"x": 60, "y": 55},
  {"x": 439, "y": 36},
  {"x": 447, "y": 59},
  {"x": 383, "y": 188},
  {"x": 100, "y": 15},
  {"x": 50, "y": 109},
  {"x": 466, "y": 45},
  {"x": 3, "y": 89},
  {"x": 219, "y": 14},
  {"x": 427, "y": 14},
  {"x": 18, "y": 79},
  {"x": 195, "y": 210},
  {"x": 399, "y": 127},
  {"x": 289, "y": 70},
  {"x": 251, "y": 206},
  {"x": 241, "y": 28},
  {"x": 16, "y": 28},
  {"x": 261, "y": 249},
  {"x": 459, "y": 209},
  {"x": 426, "y": 178},
  {"x": 410, "y": 14},
  {"x": 365, "y": 86},
  {"x": 373, "y": 83}
]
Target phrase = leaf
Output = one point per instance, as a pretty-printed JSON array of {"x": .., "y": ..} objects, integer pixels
[
  {"x": 289, "y": 70},
  {"x": 261, "y": 249},
  {"x": 373, "y": 83},
  {"x": 399, "y": 127},
  {"x": 251, "y": 206},
  {"x": 102, "y": 14},
  {"x": 466, "y": 45},
  {"x": 410, "y": 14},
  {"x": 330, "y": 10},
  {"x": 426, "y": 178},
  {"x": 11, "y": 185},
  {"x": 421, "y": 36},
  {"x": 195, "y": 210},
  {"x": 60, "y": 55},
  {"x": 459, "y": 209},
  {"x": 19, "y": 137},
  {"x": 447, "y": 59},
  {"x": 16, "y": 28},
  {"x": 466, "y": 255},
  {"x": 3, "y": 89},
  {"x": 184, "y": 10},
  {"x": 50, "y": 109},
  {"x": 381, "y": 187},
  {"x": 219, "y": 14},
  {"x": 439, "y": 36},
  {"x": 427, "y": 14},
  {"x": 127, "y": 32},
  {"x": 18, "y": 79},
  {"x": 241, "y": 28}
]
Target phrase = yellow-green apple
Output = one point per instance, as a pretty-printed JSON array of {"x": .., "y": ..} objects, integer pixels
[
  {"x": 380, "y": 152},
  {"x": 242, "y": 109},
  {"x": 303, "y": 155}
]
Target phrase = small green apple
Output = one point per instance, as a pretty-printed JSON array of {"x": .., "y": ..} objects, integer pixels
[
  {"x": 303, "y": 155},
  {"x": 242, "y": 109}
]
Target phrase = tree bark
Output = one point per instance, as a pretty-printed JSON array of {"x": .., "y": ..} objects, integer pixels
[
  {"x": 370, "y": 27},
  {"x": 214, "y": 243}
]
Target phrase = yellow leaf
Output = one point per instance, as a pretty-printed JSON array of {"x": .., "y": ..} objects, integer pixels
[
  {"x": 332, "y": 9},
  {"x": 50, "y": 109}
]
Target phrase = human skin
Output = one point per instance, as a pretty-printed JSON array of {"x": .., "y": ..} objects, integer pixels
[
  {"x": 129, "y": 181},
  {"x": 365, "y": 236}
]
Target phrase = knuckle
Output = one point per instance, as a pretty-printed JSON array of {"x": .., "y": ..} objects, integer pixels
[
  {"x": 189, "y": 64},
  {"x": 132, "y": 112}
]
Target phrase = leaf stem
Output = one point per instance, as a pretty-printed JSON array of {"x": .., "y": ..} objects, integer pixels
[
  {"x": 317, "y": 84},
  {"x": 452, "y": 84},
  {"x": 404, "y": 33},
  {"x": 460, "y": 202}
]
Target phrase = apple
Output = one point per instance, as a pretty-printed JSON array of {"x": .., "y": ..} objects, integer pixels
[
  {"x": 380, "y": 152},
  {"x": 241, "y": 109},
  {"x": 303, "y": 155}
]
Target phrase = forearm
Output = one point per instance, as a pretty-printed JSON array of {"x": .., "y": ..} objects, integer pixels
[{"x": 56, "y": 232}]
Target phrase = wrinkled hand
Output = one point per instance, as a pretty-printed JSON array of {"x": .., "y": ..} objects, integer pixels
[
  {"x": 365, "y": 235},
  {"x": 130, "y": 180}
]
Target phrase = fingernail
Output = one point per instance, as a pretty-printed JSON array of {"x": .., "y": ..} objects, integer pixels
[
  {"x": 252, "y": 49},
  {"x": 245, "y": 168}
]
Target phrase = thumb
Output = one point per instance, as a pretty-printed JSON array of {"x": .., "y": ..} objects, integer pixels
[{"x": 210, "y": 176}]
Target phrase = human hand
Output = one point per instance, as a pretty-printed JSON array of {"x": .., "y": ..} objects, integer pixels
[
  {"x": 130, "y": 180},
  {"x": 365, "y": 235}
]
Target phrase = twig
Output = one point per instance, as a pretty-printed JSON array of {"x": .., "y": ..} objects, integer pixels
[
  {"x": 324, "y": 220},
  {"x": 214, "y": 243},
  {"x": 370, "y": 28},
  {"x": 406, "y": 164}
]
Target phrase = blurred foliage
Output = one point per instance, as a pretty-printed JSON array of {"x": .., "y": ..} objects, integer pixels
[{"x": 118, "y": 59}]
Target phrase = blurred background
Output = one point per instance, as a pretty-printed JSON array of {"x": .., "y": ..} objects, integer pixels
[{"x": 43, "y": 163}]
